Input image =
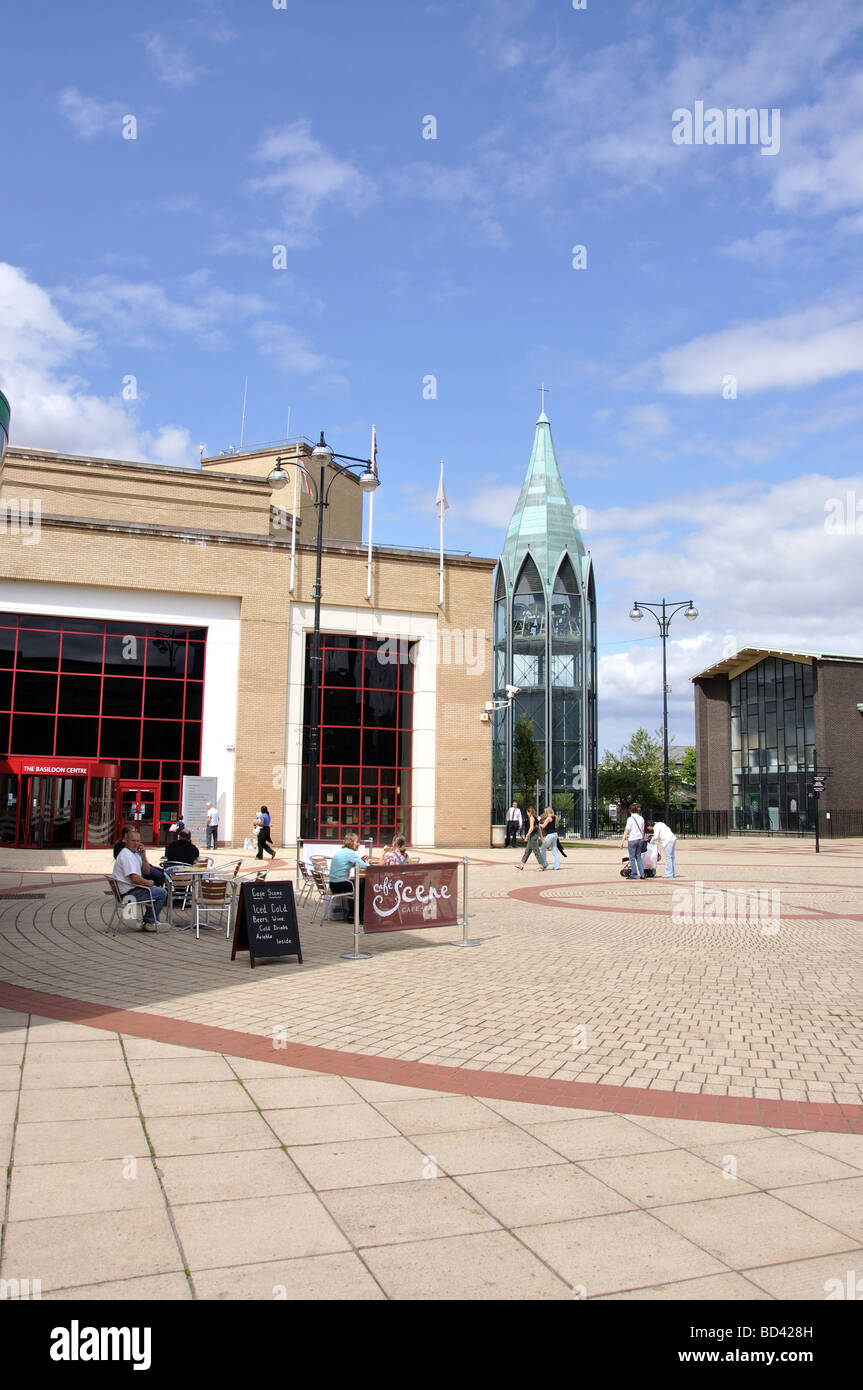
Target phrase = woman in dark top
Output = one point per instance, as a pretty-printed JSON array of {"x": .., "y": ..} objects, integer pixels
[
  {"x": 548, "y": 831},
  {"x": 264, "y": 841},
  {"x": 532, "y": 840}
]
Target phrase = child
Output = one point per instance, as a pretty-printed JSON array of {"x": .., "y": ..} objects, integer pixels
[{"x": 397, "y": 853}]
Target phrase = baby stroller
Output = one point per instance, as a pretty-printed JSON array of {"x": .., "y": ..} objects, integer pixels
[{"x": 626, "y": 870}]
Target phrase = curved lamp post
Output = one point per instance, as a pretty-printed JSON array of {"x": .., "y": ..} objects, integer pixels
[
  {"x": 663, "y": 612},
  {"x": 322, "y": 455}
]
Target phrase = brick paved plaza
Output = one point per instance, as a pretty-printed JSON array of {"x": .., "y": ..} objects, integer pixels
[{"x": 623, "y": 1092}]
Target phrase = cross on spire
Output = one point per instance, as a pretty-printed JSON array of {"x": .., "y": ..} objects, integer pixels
[{"x": 544, "y": 391}]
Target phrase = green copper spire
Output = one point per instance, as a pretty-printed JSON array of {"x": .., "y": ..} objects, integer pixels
[{"x": 542, "y": 522}]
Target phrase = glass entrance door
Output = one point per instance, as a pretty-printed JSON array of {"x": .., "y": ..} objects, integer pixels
[
  {"x": 139, "y": 806},
  {"x": 55, "y": 812}
]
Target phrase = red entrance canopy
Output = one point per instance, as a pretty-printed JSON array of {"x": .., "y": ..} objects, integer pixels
[{"x": 59, "y": 767}]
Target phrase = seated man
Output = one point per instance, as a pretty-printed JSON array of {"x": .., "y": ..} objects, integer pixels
[
  {"x": 182, "y": 851},
  {"x": 151, "y": 871},
  {"x": 129, "y": 875}
]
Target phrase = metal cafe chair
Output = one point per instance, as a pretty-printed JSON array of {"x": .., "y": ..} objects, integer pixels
[
  {"x": 229, "y": 870},
  {"x": 128, "y": 909},
  {"x": 305, "y": 883},
  {"x": 183, "y": 882},
  {"x": 325, "y": 897},
  {"x": 215, "y": 898}
]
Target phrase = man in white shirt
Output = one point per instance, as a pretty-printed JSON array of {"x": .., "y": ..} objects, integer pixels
[
  {"x": 129, "y": 867},
  {"x": 513, "y": 825},
  {"x": 212, "y": 826},
  {"x": 665, "y": 838}
]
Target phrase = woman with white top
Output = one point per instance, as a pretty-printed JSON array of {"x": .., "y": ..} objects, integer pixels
[{"x": 633, "y": 834}]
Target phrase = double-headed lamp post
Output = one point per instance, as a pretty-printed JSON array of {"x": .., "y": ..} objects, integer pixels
[
  {"x": 663, "y": 612},
  {"x": 322, "y": 455}
]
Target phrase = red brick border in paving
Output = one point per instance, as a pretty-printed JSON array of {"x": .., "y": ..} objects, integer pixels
[{"x": 624, "y": 1100}]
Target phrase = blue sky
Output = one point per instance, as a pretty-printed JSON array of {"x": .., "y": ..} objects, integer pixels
[{"x": 452, "y": 257}]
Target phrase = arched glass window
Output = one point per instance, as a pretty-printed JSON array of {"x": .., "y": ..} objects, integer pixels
[
  {"x": 566, "y": 602},
  {"x": 528, "y": 649}
]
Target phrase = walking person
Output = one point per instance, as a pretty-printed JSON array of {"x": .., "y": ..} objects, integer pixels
[
  {"x": 513, "y": 824},
  {"x": 532, "y": 840},
  {"x": 548, "y": 831},
  {"x": 212, "y": 826},
  {"x": 633, "y": 837},
  {"x": 666, "y": 840},
  {"x": 264, "y": 841}
]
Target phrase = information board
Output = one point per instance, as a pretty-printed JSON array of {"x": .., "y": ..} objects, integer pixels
[
  {"x": 266, "y": 922},
  {"x": 197, "y": 791}
]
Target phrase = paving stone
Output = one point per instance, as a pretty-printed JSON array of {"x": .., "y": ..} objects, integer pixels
[
  {"x": 625, "y": 1250},
  {"x": 250, "y": 1231},
  {"x": 487, "y": 1266}
]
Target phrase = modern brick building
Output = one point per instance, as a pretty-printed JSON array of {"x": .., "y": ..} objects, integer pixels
[
  {"x": 761, "y": 720},
  {"x": 154, "y": 625}
]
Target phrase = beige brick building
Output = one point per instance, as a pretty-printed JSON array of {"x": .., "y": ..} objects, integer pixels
[{"x": 192, "y": 569}]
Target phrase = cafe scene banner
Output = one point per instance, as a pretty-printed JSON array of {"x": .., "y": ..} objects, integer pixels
[{"x": 411, "y": 897}]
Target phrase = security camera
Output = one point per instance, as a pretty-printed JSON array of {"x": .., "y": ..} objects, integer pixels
[{"x": 512, "y": 691}]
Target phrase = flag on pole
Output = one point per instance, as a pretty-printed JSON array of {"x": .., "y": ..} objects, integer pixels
[
  {"x": 442, "y": 506},
  {"x": 305, "y": 477},
  {"x": 440, "y": 500},
  {"x": 374, "y": 466}
]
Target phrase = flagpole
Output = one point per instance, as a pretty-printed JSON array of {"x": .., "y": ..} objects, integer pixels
[
  {"x": 441, "y": 509},
  {"x": 294, "y": 525},
  {"x": 374, "y": 459}
]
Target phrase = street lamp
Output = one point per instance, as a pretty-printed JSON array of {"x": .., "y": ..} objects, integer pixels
[
  {"x": 663, "y": 613},
  {"x": 322, "y": 455}
]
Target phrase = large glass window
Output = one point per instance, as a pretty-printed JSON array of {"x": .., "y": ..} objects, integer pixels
[
  {"x": 119, "y": 691},
  {"x": 366, "y": 732},
  {"x": 772, "y": 757}
]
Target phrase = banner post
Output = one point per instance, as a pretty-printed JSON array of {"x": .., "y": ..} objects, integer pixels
[
  {"x": 464, "y": 938},
  {"x": 356, "y": 953}
]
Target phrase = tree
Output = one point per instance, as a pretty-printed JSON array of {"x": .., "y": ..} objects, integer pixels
[
  {"x": 636, "y": 774},
  {"x": 687, "y": 766},
  {"x": 528, "y": 766}
]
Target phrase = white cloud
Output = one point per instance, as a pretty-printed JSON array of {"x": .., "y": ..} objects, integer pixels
[
  {"x": 306, "y": 177},
  {"x": 40, "y": 357},
  {"x": 796, "y": 349},
  {"x": 757, "y": 562},
  {"x": 491, "y": 505},
  {"x": 288, "y": 350},
  {"x": 651, "y": 420},
  {"x": 171, "y": 65},
  {"x": 466, "y": 190},
  {"x": 142, "y": 311},
  {"x": 88, "y": 116},
  {"x": 770, "y": 246}
]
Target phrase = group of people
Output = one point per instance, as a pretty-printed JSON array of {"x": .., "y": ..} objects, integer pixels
[
  {"x": 646, "y": 843},
  {"x": 541, "y": 836},
  {"x": 137, "y": 878},
  {"x": 351, "y": 854}
]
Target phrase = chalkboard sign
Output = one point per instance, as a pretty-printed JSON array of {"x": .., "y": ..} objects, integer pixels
[{"x": 266, "y": 922}]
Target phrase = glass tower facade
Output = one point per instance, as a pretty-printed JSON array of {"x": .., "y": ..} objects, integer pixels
[
  {"x": 772, "y": 746},
  {"x": 545, "y": 644}
]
